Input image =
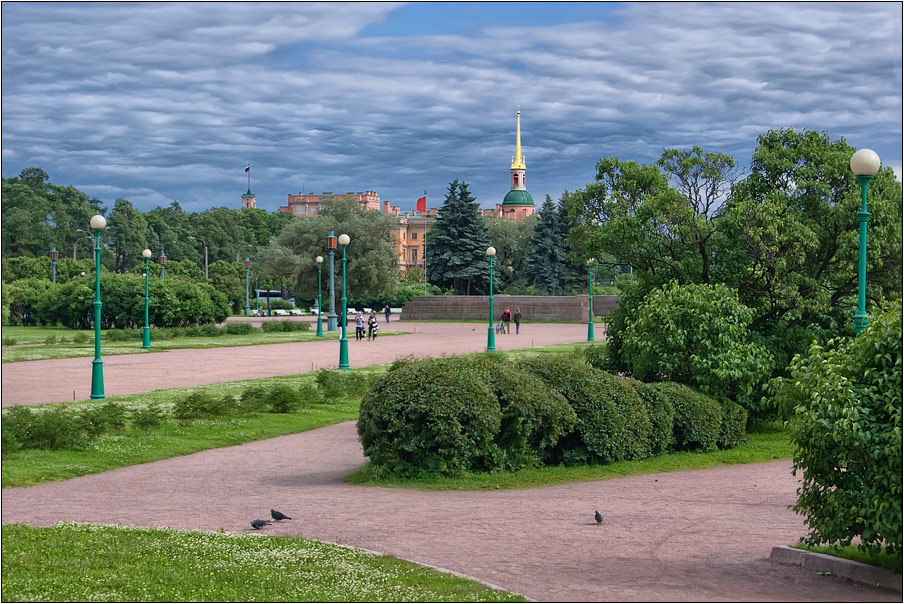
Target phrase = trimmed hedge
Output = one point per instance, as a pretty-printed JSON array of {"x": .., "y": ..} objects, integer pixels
[
  {"x": 612, "y": 420},
  {"x": 437, "y": 416},
  {"x": 483, "y": 414}
]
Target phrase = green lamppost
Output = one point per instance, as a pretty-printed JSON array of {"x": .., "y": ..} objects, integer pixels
[
  {"x": 247, "y": 286},
  {"x": 343, "y": 341},
  {"x": 864, "y": 163},
  {"x": 98, "y": 223},
  {"x": 590, "y": 292},
  {"x": 162, "y": 260},
  {"x": 146, "y": 333},
  {"x": 491, "y": 338},
  {"x": 319, "y": 260},
  {"x": 54, "y": 254}
]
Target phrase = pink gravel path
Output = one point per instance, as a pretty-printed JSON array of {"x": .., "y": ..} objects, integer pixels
[
  {"x": 693, "y": 536},
  {"x": 55, "y": 381}
]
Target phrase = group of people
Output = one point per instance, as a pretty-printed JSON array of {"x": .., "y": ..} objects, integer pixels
[
  {"x": 373, "y": 326},
  {"x": 505, "y": 321}
]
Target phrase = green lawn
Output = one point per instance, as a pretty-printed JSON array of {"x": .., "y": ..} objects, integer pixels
[
  {"x": 36, "y": 349},
  {"x": 885, "y": 560},
  {"x": 91, "y": 563}
]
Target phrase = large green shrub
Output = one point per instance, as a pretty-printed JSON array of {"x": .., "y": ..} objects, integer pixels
[
  {"x": 846, "y": 401},
  {"x": 697, "y": 417},
  {"x": 697, "y": 335},
  {"x": 612, "y": 420},
  {"x": 534, "y": 416},
  {"x": 733, "y": 429},
  {"x": 437, "y": 416},
  {"x": 53, "y": 428},
  {"x": 661, "y": 413}
]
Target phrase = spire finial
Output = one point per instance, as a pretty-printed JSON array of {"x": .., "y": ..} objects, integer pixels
[{"x": 518, "y": 160}]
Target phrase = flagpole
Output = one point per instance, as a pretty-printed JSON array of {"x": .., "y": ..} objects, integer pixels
[{"x": 249, "y": 177}]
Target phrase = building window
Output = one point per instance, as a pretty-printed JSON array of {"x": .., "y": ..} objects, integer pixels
[{"x": 414, "y": 236}]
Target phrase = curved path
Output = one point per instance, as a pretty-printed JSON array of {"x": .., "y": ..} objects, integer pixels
[
  {"x": 702, "y": 535},
  {"x": 61, "y": 380}
]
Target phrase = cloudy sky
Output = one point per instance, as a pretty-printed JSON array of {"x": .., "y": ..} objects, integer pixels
[{"x": 156, "y": 102}]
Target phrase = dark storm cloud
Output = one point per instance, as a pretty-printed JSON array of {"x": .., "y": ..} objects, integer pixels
[{"x": 163, "y": 101}]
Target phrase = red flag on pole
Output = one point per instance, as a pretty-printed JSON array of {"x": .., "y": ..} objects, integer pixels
[{"x": 422, "y": 204}]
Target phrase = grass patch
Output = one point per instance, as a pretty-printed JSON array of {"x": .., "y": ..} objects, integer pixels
[
  {"x": 92, "y": 563},
  {"x": 766, "y": 445},
  {"x": 37, "y": 348},
  {"x": 130, "y": 446},
  {"x": 892, "y": 562}
]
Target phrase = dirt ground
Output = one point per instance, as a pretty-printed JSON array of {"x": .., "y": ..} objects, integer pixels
[{"x": 693, "y": 536}]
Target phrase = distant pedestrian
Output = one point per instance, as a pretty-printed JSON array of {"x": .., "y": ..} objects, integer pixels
[
  {"x": 372, "y": 326},
  {"x": 387, "y": 311},
  {"x": 359, "y": 327},
  {"x": 517, "y": 318},
  {"x": 269, "y": 310},
  {"x": 507, "y": 320}
]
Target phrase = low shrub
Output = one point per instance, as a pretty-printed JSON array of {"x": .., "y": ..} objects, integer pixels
[
  {"x": 147, "y": 417},
  {"x": 332, "y": 383},
  {"x": 80, "y": 338},
  {"x": 662, "y": 416},
  {"x": 612, "y": 420},
  {"x": 309, "y": 394},
  {"x": 286, "y": 325},
  {"x": 240, "y": 329},
  {"x": 284, "y": 399},
  {"x": 105, "y": 417},
  {"x": 437, "y": 416},
  {"x": 254, "y": 398},
  {"x": 733, "y": 429},
  {"x": 697, "y": 418},
  {"x": 7, "y": 341},
  {"x": 201, "y": 405},
  {"x": 50, "y": 340},
  {"x": 116, "y": 335},
  {"x": 54, "y": 428}
]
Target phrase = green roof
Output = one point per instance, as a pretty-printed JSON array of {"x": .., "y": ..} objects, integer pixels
[{"x": 518, "y": 198}]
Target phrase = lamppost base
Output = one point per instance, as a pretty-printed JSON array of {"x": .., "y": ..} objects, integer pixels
[
  {"x": 319, "y": 328},
  {"x": 97, "y": 379},
  {"x": 491, "y": 340},
  {"x": 331, "y": 322},
  {"x": 590, "y": 331},
  {"x": 146, "y": 338},
  {"x": 247, "y": 311},
  {"x": 343, "y": 353}
]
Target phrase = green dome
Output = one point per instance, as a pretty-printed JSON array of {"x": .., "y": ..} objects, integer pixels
[{"x": 518, "y": 198}]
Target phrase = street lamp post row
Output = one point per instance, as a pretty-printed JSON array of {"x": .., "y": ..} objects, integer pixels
[
  {"x": 590, "y": 297},
  {"x": 54, "y": 254},
  {"x": 491, "y": 338},
  {"x": 343, "y": 340},
  {"x": 146, "y": 333},
  {"x": 247, "y": 300},
  {"x": 319, "y": 261},
  {"x": 98, "y": 223}
]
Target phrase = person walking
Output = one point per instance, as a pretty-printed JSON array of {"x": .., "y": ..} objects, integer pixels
[
  {"x": 359, "y": 327},
  {"x": 372, "y": 326},
  {"x": 517, "y": 318},
  {"x": 507, "y": 320},
  {"x": 387, "y": 311}
]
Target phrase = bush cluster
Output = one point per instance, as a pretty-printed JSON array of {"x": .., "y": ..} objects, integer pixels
[
  {"x": 453, "y": 415},
  {"x": 285, "y": 325}
]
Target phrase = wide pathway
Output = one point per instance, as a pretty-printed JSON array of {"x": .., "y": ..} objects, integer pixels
[
  {"x": 61, "y": 380},
  {"x": 702, "y": 535}
]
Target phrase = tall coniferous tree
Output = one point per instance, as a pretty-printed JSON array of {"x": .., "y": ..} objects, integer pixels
[
  {"x": 548, "y": 265},
  {"x": 458, "y": 243}
]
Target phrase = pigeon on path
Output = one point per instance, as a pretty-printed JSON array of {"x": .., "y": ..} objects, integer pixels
[
  {"x": 279, "y": 516},
  {"x": 259, "y": 524},
  {"x": 598, "y": 517}
]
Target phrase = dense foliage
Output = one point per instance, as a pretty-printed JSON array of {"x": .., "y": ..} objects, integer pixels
[
  {"x": 173, "y": 302},
  {"x": 784, "y": 238},
  {"x": 846, "y": 402},
  {"x": 454, "y": 415},
  {"x": 696, "y": 335}
]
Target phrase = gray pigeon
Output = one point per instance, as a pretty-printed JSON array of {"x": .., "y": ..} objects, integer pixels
[
  {"x": 259, "y": 524},
  {"x": 598, "y": 517},
  {"x": 279, "y": 516}
]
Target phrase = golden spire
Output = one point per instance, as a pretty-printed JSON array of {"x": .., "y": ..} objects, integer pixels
[{"x": 518, "y": 159}]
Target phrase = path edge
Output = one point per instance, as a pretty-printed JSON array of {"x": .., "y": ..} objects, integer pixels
[{"x": 841, "y": 567}]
